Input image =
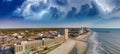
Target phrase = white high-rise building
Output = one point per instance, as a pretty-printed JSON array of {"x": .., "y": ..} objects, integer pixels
[{"x": 66, "y": 33}]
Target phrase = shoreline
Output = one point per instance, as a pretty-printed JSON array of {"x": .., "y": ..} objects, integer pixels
[{"x": 78, "y": 45}]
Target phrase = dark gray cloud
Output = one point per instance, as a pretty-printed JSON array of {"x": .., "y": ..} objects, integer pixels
[{"x": 54, "y": 9}]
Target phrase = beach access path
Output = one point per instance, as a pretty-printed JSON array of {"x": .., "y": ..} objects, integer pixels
[{"x": 78, "y": 45}]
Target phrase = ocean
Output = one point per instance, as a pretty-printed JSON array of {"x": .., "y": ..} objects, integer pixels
[{"x": 104, "y": 41}]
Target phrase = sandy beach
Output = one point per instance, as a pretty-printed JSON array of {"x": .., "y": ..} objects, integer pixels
[
  {"x": 78, "y": 45},
  {"x": 81, "y": 44}
]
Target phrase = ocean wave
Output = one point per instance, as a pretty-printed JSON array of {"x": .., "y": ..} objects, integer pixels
[
  {"x": 94, "y": 45},
  {"x": 104, "y": 43}
]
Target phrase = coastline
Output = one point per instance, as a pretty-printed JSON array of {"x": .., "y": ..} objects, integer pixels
[{"x": 78, "y": 45}]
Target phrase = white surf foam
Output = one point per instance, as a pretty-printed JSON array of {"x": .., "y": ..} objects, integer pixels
[{"x": 94, "y": 45}]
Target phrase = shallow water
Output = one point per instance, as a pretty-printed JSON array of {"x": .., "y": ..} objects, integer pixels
[{"x": 104, "y": 42}]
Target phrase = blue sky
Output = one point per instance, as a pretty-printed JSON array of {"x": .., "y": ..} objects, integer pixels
[{"x": 59, "y": 13}]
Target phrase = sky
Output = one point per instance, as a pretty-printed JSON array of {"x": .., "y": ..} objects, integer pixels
[{"x": 59, "y": 13}]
